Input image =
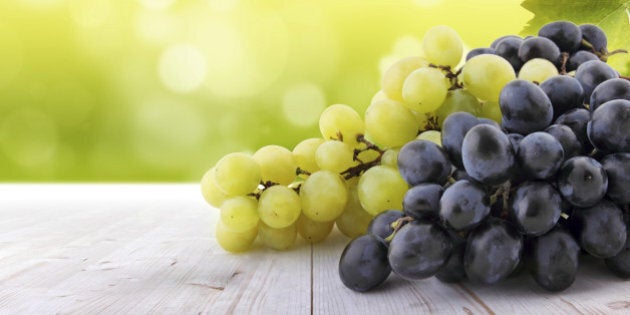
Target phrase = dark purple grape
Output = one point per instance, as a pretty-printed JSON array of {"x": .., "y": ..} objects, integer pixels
[
  {"x": 459, "y": 174},
  {"x": 422, "y": 161},
  {"x": 423, "y": 201},
  {"x": 381, "y": 224},
  {"x": 539, "y": 155},
  {"x": 453, "y": 271},
  {"x": 579, "y": 58},
  {"x": 564, "y": 92},
  {"x": 454, "y": 129},
  {"x": 600, "y": 229},
  {"x": 609, "y": 128},
  {"x": 591, "y": 74},
  {"x": 595, "y": 36},
  {"x": 535, "y": 207},
  {"x": 610, "y": 90},
  {"x": 496, "y": 42},
  {"x": 567, "y": 138},
  {"x": 582, "y": 181},
  {"x": 493, "y": 251},
  {"x": 464, "y": 205},
  {"x": 480, "y": 51},
  {"x": 566, "y": 35},
  {"x": 554, "y": 260},
  {"x": 487, "y": 154},
  {"x": 508, "y": 49},
  {"x": 617, "y": 167},
  {"x": 363, "y": 264},
  {"x": 577, "y": 119},
  {"x": 539, "y": 47},
  {"x": 418, "y": 250},
  {"x": 620, "y": 263},
  {"x": 525, "y": 107}
]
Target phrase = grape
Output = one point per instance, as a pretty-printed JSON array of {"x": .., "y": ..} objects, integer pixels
[
  {"x": 381, "y": 188},
  {"x": 609, "y": 125},
  {"x": 278, "y": 239},
  {"x": 425, "y": 90},
  {"x": 537, "y": 70},
  {"x": 525, "y": 107},
  {"x": 571, "y": 146},
  {"x": 363, "y": 264},
  {"x": 422, "y": 161},
  {"x": 239, "y": 214},
  {"x": 508, "y": 49},
  {"x": 496, "y": 42},
  {"x": 334, "y": 156},
  {"x": 564, "y": 92},
  {"x": 610, "y": 90},
  {"x": 453, "y": 271},
  {"x": 600, "y": 228},
  {"x": 423, "y": 201},
  {"x": 431, "y": 135},
  {"x": 566, "y": 35},
  {"x": 209, "y": 190},
  {"x": 381, "y": 224},
  {"x": 464, "y": 205},
  {"x": 591, "y": 74},
  {"x": 394, "y": 77},
  {"x": 458, "y": 100},
  {"x": 443, "y": 46},
  {"x": 235, "y": 242},
  {"x": 493, "y": 252},
  {"x": 381, "y": 96},
  {"x": 237, "y": 174},
  {"x": 390, "y": 124},
  {"x": 485, "y": 75},
  {"x": 304, "y": 154},
  {"x": 580, "y": 57},
  {"x": 324, "y": 196},
  {"x": 454, "y": 129},
  {"x": 313, "y": 231},
  {"x": 535, "y": 207},
  {"x": 341, "y": 122},
  {"x": 279, "y": 206},
  {"x": 354, "y": 220},
  {"x": 540, "y": 155},
  {"x": 554, "y": 260},
  {"x": 418, "y": 250},
  {"x": 577, "y": 119},
  {"x": 620, "y": 263},
  {"x": 595, "y": 36},
  {"x": 276, "y": 164},
  {"x": 617, "y": 167},
  {"x": 539, "y": 47},
  {"x": 582, "y": 181},
  {"x": 390, "y": 158},
  {"x": 480, "y": 51},
  {"x": 491, "y": 110},
  {"x": 487, "y": 155}
]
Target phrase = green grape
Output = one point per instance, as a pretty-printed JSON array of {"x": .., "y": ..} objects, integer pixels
[
  {"x": 422, "y": 119},
  {"x": 237, "y": 174},
  {"x": 491, "y": 110},
  {"x": 390, "y": 158},
  {"x": 379, "y": 96},
  {"x": 277, "y": 164},
  {"x": 235, "y": 242},
  {"x": 209, "y": 190},
  {"x": 324, "y": 196},
  {"x": 390, "y": 124},
  {"x": 431, "y": 135},
  {"x": 485, "y": 75},
  {"x": 334, "y": 156},
  {"x": 425, "y": 90},
  {"x": 304, "y": 154},
  {"x": 458, "y": 100},
  {"x": 239, "y": 213},
  {"x": 278, "y": 239},
  {"x": 341, "y": 120},
  {"x": 395, "y": 75},
  {"x": 313, "y": 231},
  {"x": 443, "y": 46},
  {"x": 354, "y": 220},
  {"x": 279, "y": 206},
  {"x": 381, "y": 188},
  {"x": 537, "y": 70},
  {"x": 368, "y": 156}
]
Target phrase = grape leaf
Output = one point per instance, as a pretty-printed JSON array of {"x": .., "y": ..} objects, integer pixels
[{"x": 613, "y": 16}]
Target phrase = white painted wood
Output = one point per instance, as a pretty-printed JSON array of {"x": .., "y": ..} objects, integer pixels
[{"x": 140, "y": 249}]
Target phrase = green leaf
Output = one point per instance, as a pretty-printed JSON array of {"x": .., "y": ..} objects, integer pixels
[{"x": 613, "y": 16}]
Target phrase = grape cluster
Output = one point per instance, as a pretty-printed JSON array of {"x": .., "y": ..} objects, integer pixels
[{"x": 548, "y": 183}]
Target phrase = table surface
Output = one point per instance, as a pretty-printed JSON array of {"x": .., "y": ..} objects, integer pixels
[{"x": 150, "y": 248}]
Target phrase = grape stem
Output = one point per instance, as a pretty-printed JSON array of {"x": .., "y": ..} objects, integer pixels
[
  {"x": 363, "y": 166},
  {"x": 450, "y": 75},
  {"x": 563, "y": 66},
  {"x": 299, "y": 171},
  {"x": 396, "y": 225},
  {"x": 502, "y": 191}
]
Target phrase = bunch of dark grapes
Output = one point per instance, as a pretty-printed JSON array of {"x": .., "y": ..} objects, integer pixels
[{"x": 547, "y": 185}]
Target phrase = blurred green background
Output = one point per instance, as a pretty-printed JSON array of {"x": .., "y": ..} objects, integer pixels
[{"x": 159, "y": 90}]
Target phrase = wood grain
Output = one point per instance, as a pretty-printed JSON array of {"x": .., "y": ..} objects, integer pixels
[{"x": 147, "y": 249}]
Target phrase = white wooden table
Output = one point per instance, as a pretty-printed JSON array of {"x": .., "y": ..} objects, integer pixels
[{"x": 139, "y": 249}]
